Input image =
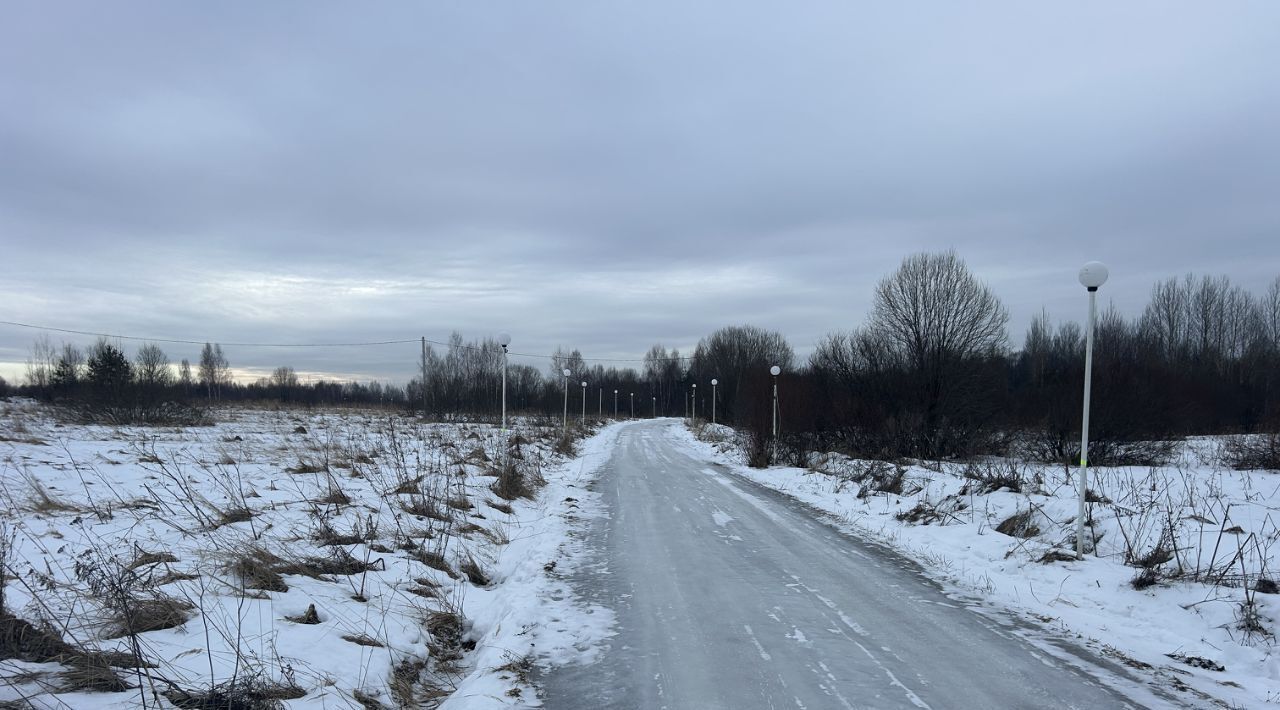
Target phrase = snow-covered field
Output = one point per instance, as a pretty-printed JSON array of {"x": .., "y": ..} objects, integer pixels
[
  {"x": 1180, "y": 585},
  {"x": 325, "y": 559}
]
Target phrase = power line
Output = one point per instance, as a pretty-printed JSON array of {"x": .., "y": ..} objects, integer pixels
[{"x": 324, "y": 345}]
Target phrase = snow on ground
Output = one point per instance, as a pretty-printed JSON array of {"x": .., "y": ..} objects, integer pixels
[
  {"x": 1206, "y": 534},
  {"x": 322, "y": 559}
]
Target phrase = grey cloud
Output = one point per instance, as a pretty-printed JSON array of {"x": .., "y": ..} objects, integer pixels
[{"x": 608, "y": 175}]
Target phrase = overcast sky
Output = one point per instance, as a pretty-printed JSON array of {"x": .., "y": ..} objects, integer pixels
[{"x": 609, "y": 175}]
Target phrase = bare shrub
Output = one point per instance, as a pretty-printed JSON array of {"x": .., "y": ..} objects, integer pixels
[
  {"x": 1145, "y": 577},
  {"x": 511, "y": 483},
  {"x": 252, "y": 692},
  {"x": 1252, "y": 452},
  {"x": 927, "y": 513},
  {"x": 991, "y": 476},
  {"x": 883, "y": 477},
  {"x": 133, "y": 607},
  {"x": 566, "y": 444}
]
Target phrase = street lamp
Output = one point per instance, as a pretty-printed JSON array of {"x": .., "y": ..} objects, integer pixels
[
  {"x": 655, "y": 407},
  {"x": 615, "y": 404},
  {"x": 775, "y": 371},
  {"x": 504, "y": 340},
  {"x": 714, "y": 382},
  {"x": 694, "y": 396},
  {"x": 1092, "y": 275},
  {"x": 584, "y": 402},
  {"x": 564, "y": 419},
  {"x": 633, "y": 405}
]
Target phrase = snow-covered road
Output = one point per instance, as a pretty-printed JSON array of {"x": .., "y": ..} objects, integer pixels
[{"x": 730, "y": 595}]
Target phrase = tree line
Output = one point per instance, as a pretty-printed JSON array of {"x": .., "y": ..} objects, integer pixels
[{"x": 930, "y": 373}]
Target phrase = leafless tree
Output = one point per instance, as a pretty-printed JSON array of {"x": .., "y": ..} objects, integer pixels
[
  {"x": 285, "y": 381},
  {"x": 1269, "y": 315},
  {"x": 737, "y": 355},
  {"x": 215, "y": 371},
  {"x": 184, "y": 376},
  {"x": 41, "y": 363},
  {"x": 944, "y": 323},
  {"x": 934, "y": 310},
  {"x": 151, "y": 367}
]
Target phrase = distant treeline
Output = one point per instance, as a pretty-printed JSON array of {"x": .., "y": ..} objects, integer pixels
[{"x": 930, "y": 373}]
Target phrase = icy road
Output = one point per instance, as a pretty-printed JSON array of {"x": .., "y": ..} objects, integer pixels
[{"x": 732, "y": 596}]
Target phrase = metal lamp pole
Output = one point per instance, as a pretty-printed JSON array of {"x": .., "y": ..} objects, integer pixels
[
  {"x": 564, "y": 418},
  {"x": 615, "y": 404},
  {"x": 714, "y": 382},
  {"x": 504, "y": 340},
  {"x": 655, "y": 407},
  {"x": 775, "y": 371},
  {"x": 633, "y": 405},
  {"x": 694, "y": 396},
  {"x": 1092, "y": 275},
  {"x": 584, "y": 401}
]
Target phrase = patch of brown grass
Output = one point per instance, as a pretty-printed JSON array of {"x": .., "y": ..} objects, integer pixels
[{"x": 155, "y": 613}]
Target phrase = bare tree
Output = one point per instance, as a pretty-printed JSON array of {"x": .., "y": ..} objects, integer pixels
[
  {"x": 215, "y": 371},
  {"x": 151, "y": 367},
  {"x": 737, "y": 355},
  {"x": 41, "y": 363},
  {"x": 1270, "y": 314},
  {"x": 933, "y": 310},
  {"x": 184, "y": 376},
  {"x": 1166, "y": 319},
  {"x": 285, "y": 381},
  {"x": 944, "y": 324}
]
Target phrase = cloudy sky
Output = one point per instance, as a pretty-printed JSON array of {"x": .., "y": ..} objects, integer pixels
[{"x": 609, "y": 175}]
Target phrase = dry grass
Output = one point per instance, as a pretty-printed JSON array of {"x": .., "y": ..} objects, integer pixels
[
  {"x": 501, "y": 507},
  {"x": 156, "y": 613},
  {"x": 435, "y": 561},
  {"x": 511, "y": 483},
  {"x": 256, "y": 569},
  {"x": 474, "y": 572},
  {"x": 1019, "y": 525}
]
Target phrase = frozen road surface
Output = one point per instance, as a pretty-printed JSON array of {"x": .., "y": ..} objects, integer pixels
[{"x": 732, "y": 596}]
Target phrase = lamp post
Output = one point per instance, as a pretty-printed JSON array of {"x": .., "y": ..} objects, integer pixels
[
  {"x": 714, "y": 382},
  {"x": 615, "y": 404},
  {"x": 564, "y": 418},
  {"x": 694, "y": 397},
  {"x": 600, "y": 404},
  {"x": 655, "y": 407},
  {"x": 775, "y": 371},
  {"x": 504, "y": 340},
  {"x": 1092, "y": 275},
  {"x": 633, "y": 405},
  {"x": 584, "y": 402}
]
